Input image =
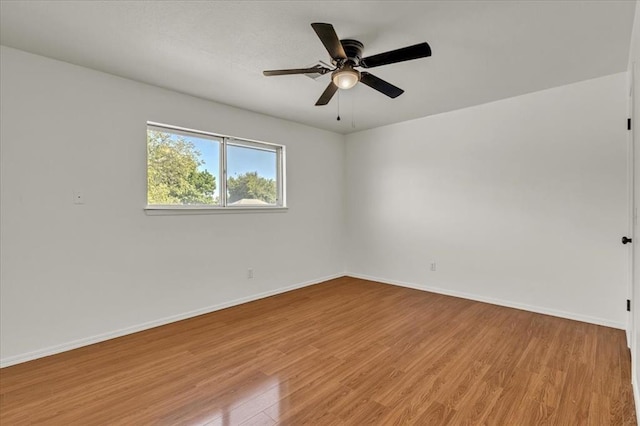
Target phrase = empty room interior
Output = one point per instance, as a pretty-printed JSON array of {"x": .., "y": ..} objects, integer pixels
[{"x": 319, "y": 212}]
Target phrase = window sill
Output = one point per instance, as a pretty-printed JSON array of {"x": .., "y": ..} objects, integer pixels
[{"x": 180, "y": 210}]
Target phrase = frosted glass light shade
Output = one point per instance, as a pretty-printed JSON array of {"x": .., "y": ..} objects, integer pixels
[{"x": 346, "y": 78}]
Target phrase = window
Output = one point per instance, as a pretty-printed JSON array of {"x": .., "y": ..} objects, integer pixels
[{"x": 188, "y": 169}]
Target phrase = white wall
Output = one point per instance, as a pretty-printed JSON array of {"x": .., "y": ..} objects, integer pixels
[
  {"x": 520, "y": 202},
  {"x": 71, "y": 273}
]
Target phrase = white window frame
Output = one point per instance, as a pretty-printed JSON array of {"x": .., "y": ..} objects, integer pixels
[{"x": 223, "y": 207}]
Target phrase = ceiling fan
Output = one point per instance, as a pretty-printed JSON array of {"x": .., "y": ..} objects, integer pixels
[{"x": 346, "y": 55}]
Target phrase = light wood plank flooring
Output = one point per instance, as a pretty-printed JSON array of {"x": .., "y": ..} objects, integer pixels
[{"x": 346, "y": 351}]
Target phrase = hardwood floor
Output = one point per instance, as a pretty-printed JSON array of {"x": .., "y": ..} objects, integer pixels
[{"x": 346, "y": 351}]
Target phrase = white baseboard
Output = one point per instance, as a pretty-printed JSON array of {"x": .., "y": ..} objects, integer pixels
[
  {"x": 493, "y": 301},
  {"x": 52, "y": 350}
]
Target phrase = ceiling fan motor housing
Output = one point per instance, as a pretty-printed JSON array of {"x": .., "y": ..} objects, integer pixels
[{"x": 353, "y": 49}]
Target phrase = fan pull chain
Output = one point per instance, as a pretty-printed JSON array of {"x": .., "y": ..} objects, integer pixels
[{"x": 338, "y": 118}]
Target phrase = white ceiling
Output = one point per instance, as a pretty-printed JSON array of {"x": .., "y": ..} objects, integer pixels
[{"x": 482, "y": 50}]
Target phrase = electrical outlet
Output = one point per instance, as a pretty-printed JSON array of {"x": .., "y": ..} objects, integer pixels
[
  {"x": 433, "y": 266},
  {"x": 250, "y": 273}
]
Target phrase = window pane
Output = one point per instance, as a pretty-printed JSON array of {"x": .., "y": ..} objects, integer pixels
[
  {"x": 182, "y": 169},
  {"x": 251, "y": 176}
]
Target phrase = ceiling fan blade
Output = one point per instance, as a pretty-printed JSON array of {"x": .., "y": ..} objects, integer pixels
[
  {"x": 312, "y": 70},
  {"x": 330, "y": 39},
  {"x": 420, "y": 50},
  {"x": 380, "y": 85},
  {"x": 327, "y": 94}
]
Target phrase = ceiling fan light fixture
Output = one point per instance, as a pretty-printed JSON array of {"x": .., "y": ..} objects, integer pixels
[
  {"x": 346, "y": 55},
  {"x": 346, "y": 77}
]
